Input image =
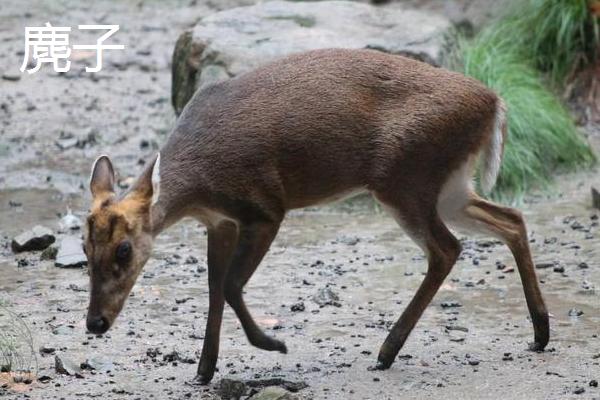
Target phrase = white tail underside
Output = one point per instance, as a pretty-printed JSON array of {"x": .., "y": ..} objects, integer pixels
[{"x": 491, "y": 157}]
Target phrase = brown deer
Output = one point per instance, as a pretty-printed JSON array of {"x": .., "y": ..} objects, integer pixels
[{"x": 307, "y": 129}]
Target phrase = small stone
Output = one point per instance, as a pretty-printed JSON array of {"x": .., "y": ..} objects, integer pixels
[
  {"x": 595, "y": 198},
  {"x": 579, "y": 390},
  {"x": 67, "y": 142},
  {"x": 559, "y": 269},
  {"x": 22, "y": 263},
  {"x": 44, "y": 379},
  {"x": 69, "y": 222},
  {"x": 47, "y": 350},
  {"x": 65, "y": 366},
  {"x": 232, "y": 389},
  {"x": 457, "y": 328},
  {"x": 49, "y": 253},
  {"x": 450, "y": 304},
  {"x": 76, "y": 288},
  {"x": 544, "y": 265},
  {"x": 101, "y": 364},
  {"x": 325, "y": 297},
  {"x": 594, "y": 383},
  {"x": 297, "y": 307},
  {"x": 583, "y": 265},
  {"x": 174, "y": 356},
  {"x": 37, "y": 238},
  {"x": 473, "y": 362},
  {"x": 273, "y": 393},
  {"x": 573, "y": 312},
  {"x": 70, "y": 253},
  {"x": 191, "y": 260},
  {"x": 11, "y": 77},
  {"x": 350, "y": 241}
]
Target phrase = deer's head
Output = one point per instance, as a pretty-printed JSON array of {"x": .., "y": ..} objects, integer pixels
[{"x": 118, "y": 241}]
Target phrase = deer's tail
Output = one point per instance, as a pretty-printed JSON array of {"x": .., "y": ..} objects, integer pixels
[{"x": 491, "y": 156}]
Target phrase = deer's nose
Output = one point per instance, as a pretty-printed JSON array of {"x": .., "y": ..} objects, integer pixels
[{"x": 97, "y": 325}]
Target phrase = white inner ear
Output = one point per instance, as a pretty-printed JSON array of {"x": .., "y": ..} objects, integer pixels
[{"x": 156, "y": 180}]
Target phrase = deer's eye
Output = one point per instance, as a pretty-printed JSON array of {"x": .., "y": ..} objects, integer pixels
[{"x": 123, "y": 252}]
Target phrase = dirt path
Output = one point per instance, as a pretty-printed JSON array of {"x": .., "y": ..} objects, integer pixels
[{"x": 474, "y": 351}]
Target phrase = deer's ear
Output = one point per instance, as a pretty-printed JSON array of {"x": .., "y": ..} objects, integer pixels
[
  {"x": 147, "y": 186},
  {"x": 102, "y": 179}
]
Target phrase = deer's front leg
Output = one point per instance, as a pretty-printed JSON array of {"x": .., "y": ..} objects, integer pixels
[
  {"x": 221, "y": 244},
  {"x": 253, "y": 242}
]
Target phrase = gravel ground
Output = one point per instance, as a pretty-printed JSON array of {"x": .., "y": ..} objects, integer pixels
[{"x": 53, "y": 126}]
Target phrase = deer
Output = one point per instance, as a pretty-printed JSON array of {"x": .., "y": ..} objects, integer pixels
[{"x": 304, "y": 130}]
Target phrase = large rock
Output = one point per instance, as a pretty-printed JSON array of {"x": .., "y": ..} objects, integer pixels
[
  {"x": 231, "y": 42},
  {"x": 37, "y": 238}
]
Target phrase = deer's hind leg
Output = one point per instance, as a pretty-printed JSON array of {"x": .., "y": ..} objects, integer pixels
[
  {"x": 420, "y": 220},
  {"x": 507, "y": 224}
]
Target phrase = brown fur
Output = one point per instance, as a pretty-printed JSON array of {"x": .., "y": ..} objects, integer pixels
[{"x": 297, "y": 132}]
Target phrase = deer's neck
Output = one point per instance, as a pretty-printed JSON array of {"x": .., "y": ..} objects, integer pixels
[{"x": 176, "y": 194}]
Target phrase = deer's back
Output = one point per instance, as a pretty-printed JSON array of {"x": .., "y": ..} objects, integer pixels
[{"x": 323, "y": 122}]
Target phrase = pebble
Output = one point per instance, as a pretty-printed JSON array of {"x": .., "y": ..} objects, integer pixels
[
  {"x": 457, "y": 328},
  {"x": 49, "y": 253},
  {"x": 191, "y": 260},
  {"x": 11, "y": 77},
  {"x": 544, "y": 265},
  {"x": 98, "y": 364},
  {"x": 579, "y": 390},
  {"x": 573, "y": 312},
  {"x": 272, "y": 393},
  {"x": 47, "y": 350},
  {"x": 65, "y": 143},
  {"x": 450, "y": 304},
  {"x": 231, "y": 389},
  {"x": 325, "y": 297},
  {"x": 37, "y": 238},
  {"x": 595, "y": 198},
  {"x": 70, "y": 222},
  {"x": 559, "y": 268},
  {"x": 65, "y": 366},
  {"x": 350, "y": 241},
  {"x": 70, "y": 253}
]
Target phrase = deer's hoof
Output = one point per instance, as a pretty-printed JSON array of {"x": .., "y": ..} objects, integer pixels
[
  {"x": 270, "y": 344},
  {"x": 204, "y": 378},
  {"x": 281, "y": 347},
  {"x": 537, "y": 346},
  {"x": 382, "y": 365}
]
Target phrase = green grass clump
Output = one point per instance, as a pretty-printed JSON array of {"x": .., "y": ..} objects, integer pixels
[
  {"x": 510, "y": 57},
  {"x": 558, "y": 35}
]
